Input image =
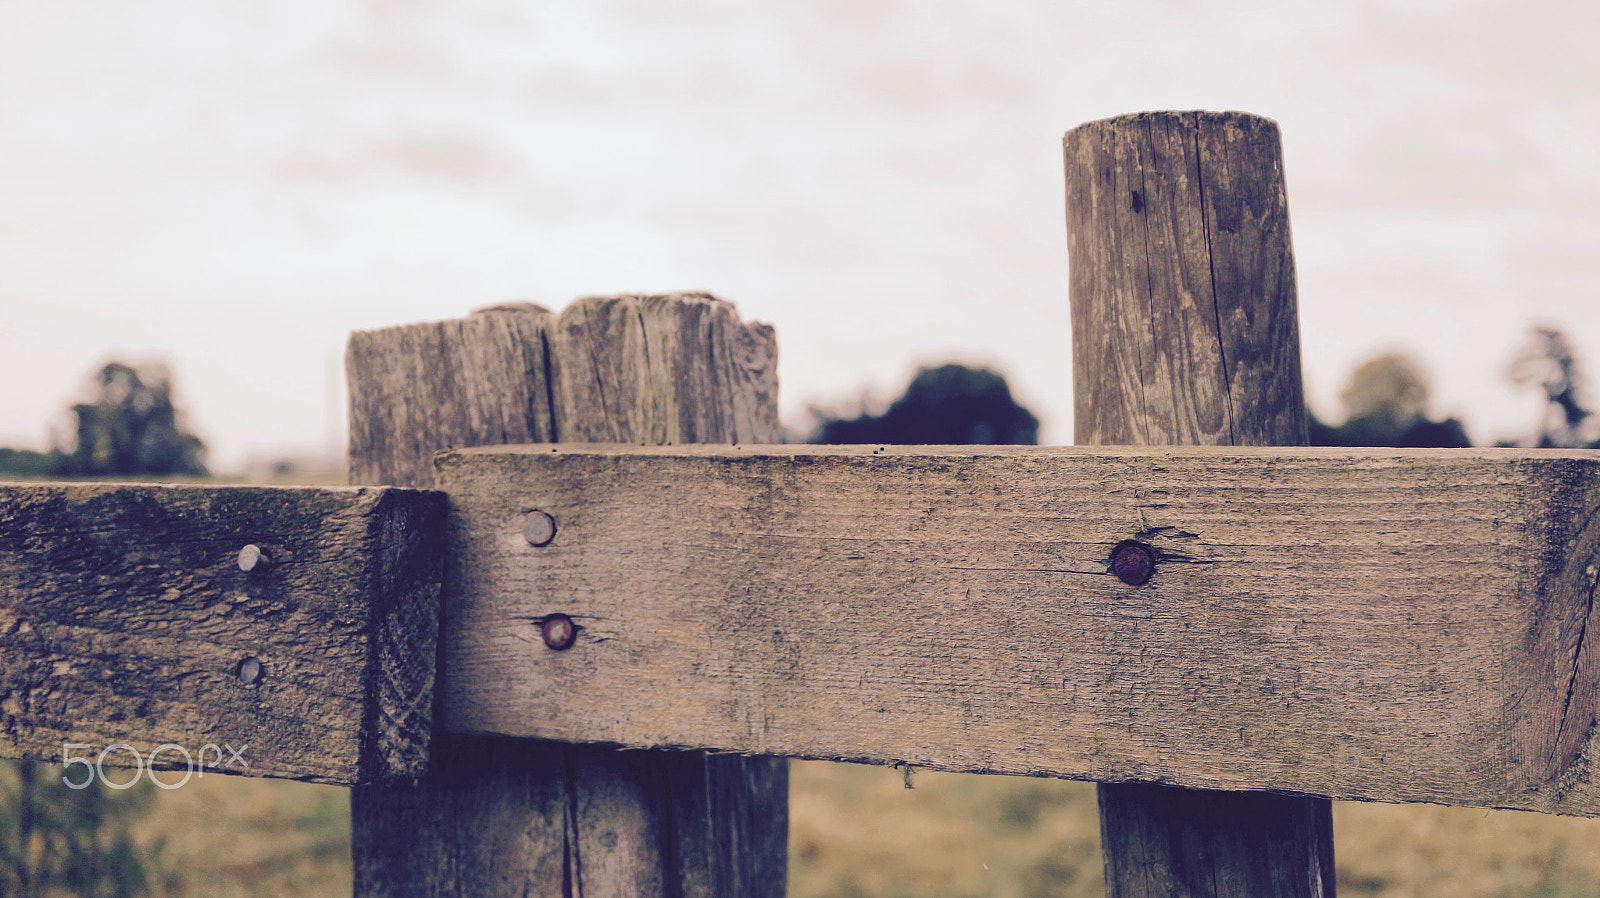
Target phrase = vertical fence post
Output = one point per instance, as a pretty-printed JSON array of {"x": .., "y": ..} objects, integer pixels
[
  {"x": 499, "y": 816},
  {"x": 1184, "y": 332}
]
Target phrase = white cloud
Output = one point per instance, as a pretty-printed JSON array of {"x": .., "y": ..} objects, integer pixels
[{"x": 456, "y": 158}]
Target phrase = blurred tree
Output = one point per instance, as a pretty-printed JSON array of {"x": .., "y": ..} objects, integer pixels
[
  {"x": 947, "y": 405},
  {"x": 131, "y": 427},
  {"x": 55, "y": 840},
  {"x": 1548, "y": 359},
  {"x": 1386, "y": 404},
  {"x": 28, "y": 463}
]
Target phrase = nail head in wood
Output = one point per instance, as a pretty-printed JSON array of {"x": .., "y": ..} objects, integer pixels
[
  {"x": 253, "y": 558},
  {"x": 559, "y": 632},
  {"x": 538, "y": 528},
  {"x": 1133, "y": 562},
  {"x": 249, "y": 671}
]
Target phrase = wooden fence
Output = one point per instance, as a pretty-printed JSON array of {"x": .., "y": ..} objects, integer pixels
[{"x": 569, "y": 654}]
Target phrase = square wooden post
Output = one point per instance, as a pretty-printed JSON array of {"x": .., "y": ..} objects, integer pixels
[
  {"x": 501, "y": 816},
  {"x": 1184, "y": 332}
]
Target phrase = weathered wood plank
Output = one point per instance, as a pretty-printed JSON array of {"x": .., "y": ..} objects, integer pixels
[
  {"x": 1373, "y": 624},
  {"x": 1184, "y": 316},
  {"x": 1204, "y": 842},
  {"x": 475, "y": 381},
  {"x": 1180, "y": 257},
  {"x": 125, "y": 617},
  {"x": 501, "y": 816}
]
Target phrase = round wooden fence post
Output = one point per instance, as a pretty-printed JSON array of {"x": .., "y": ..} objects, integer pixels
[
  {"x": 501, "y": 816},
  {"x": 1184, "y": 332}
]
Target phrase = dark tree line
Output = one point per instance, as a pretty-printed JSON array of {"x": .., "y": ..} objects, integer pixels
[
  {"x": 948, "y": 405},
  {"x": 957, "y": 405},
  {"x": 1386, "y": 404},
  {"x": 129, "y": 426}
]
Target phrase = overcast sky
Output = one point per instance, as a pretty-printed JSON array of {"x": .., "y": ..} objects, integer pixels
[{"x": 233, "y": 187}]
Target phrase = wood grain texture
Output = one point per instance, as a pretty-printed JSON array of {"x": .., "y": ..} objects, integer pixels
[
  {"x": 1185, "y": 331},
  {"x": 1201, "y": 842},
  {"x": 1370, "y": 624},
  {"x": 501, "y": 816},
  {"x": 476, "y": 381},
  {"x": 124, "y": 618},
  {"x": 1184, "y": 315},
  {"x": 640, "y": 369}
]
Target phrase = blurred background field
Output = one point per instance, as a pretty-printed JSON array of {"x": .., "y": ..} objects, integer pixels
[{"x": 854, "y": 831}]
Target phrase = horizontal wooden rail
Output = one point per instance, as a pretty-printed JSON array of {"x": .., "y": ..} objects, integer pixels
[
  {"x": 128, "y": 622},
  {"x": 1405, "y": 626},
  {"x": 1359, "y": 624}
]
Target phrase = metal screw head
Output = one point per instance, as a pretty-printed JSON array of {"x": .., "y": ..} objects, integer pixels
[
  {"x": 1133, "y": 562},
  {"x": 254, "y": 558},
  {"x": 538, "y": 528},
  {"x": 559, "y": 632},
  {"x": 249, "y": 671}
]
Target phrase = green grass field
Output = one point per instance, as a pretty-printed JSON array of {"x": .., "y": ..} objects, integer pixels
[{"x": 857, "y": 831}]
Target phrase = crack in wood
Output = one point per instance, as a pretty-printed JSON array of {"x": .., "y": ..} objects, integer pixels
[
  {"x": 1572, "y": 678},
  {"x": 1580, "y": 543}
]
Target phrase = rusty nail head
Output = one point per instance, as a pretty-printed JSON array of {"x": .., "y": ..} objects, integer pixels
[
  {"x": 538, "y": 528},
  {"x": 1133, "y": 562},
  {"x": 254, "y": 558},
  {"x": 559, "y": 632}
]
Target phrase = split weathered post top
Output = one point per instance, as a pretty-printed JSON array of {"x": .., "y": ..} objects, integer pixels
[{"x": 1185, "y": 332}]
